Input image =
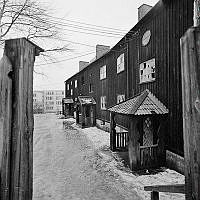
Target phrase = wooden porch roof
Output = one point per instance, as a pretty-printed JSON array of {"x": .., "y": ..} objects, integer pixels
[
  {"x": 86, "y": 100},
  {"x": 67, "y": 100},
  {"x": 143, "y": 104}
]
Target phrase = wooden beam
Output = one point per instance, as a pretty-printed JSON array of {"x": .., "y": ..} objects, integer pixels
[
  {"x": 190, "y": 62},
  {"x": 21, "y": 54},
  {"x": 5, "y": 126},
  {"x": 112, "y": 132},
  {"x": 178, "y": 188}
]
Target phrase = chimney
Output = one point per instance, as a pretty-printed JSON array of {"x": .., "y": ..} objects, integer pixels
[
  {"x": 101, "y": 50},
  {"x": 82, "y": 65},
  {"x": 143, "y": 10}
]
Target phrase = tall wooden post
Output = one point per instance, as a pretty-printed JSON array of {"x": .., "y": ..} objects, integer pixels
[
  {"x": 5, "y": 126},
  {"x": 21, "y": 54},
  {"x": 112, "y": 132},
  {"x": 133, "y": 144},
  {"x": 190, "y": 60}
]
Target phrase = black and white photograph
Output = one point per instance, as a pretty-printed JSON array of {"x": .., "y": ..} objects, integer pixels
[{"x": 100, "y": 100}]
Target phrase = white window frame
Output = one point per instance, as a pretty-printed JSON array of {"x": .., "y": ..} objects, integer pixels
[
  {"x": 71, "y": 92},
  {"x": 75, "y": 83},
  {"x": 120, "y": 63},
  {"x": 147, "y": 71},
  {"x": 120, "y": 98},
  {"x": 103, "y": 72},
  {"x": 103, "y": 102},
  {"x": 68, "y": 86}
]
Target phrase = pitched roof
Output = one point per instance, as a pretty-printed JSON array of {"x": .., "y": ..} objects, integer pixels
[
  {"x": 68, "y": 100},
  {"x": 86, "y": 100},
  {"x": 143, "y": 104}
]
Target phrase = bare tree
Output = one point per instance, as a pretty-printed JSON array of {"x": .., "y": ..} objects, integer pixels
[{"x": 25, "y": 18}]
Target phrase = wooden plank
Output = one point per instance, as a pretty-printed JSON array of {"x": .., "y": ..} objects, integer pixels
[
  {"x": 178, "y": 188},
  {"x": 190, "y": 58},
  {"x": 5, "y": 126},
  {"x": 21, "y": 54}
]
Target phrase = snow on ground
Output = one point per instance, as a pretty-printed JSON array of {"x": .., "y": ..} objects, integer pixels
[{"x": 111, "y": 162}]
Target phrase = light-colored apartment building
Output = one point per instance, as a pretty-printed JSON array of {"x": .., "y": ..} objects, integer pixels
[
  {"x": 51, "y": 100},
  {"x": 38, "y": 102}
]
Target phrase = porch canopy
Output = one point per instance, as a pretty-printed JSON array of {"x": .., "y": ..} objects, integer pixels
[
  {"x": 86, "y": 100},
  {"x": 68, "y": 100},
  {"x": 143, "y": 104}
]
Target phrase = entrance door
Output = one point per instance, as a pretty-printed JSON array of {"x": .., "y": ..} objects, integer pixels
[{"x": 149, "y": 148}]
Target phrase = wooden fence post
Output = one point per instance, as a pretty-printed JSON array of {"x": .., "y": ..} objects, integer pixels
[
  {"x": 21, "y": 54},
  {"x": 190, "y": 60},
  {"x": 112, "y": 132},
  {"x": 5, "y": 126}
]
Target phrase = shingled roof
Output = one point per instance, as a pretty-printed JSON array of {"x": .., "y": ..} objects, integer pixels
[
  {"x": 86, "y": 100},
  {"x": 143, "y": 104}
]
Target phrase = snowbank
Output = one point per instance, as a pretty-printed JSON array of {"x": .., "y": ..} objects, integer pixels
[{"x": 112, "y": 163}]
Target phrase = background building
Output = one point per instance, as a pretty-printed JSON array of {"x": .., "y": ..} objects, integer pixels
[
  {"x": 38, "y": 102},
  {"x": 48, "y": 101}
]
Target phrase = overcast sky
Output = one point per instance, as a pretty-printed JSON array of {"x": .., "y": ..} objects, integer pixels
[{"x": 76, "y": 15}]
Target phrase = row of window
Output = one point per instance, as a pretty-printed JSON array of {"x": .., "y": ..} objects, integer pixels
[
  {"x": 56, "y": 93},
  {"x": 49, "y": 108},
  {"x": 120, "y": 68},
  {"x": 120, "y": 98},
  {"x": 146, "y": 73}
]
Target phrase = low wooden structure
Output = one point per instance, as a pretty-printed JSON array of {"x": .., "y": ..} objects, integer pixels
[
  {"x": 16, "y": 119},
  {"x": 68, "y": 107},
  {"x": 178, "y": 188},
  {"x": 86, "y": 111},
  {"x": 145, "y": 137}
]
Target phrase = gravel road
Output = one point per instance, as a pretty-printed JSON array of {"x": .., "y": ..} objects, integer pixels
[{"x": 66, "y": 165}]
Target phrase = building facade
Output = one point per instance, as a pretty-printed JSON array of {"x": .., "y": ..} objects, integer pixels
[
  {"x": 148, "y": 57},
  {"x": 38, "y": 102},
  {"x": 49, "y": 100}
]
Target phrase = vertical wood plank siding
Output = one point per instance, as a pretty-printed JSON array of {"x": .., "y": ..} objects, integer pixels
[{"x": 167, "y": 23}]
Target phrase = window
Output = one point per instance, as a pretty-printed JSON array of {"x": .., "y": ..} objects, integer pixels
[
  {"x": 103, "y": 102},
  {"x": 120, "y": 63},
  {"x": 71, "y": 92},
  {"x": 103, "y": 72},
  {"x": 90, "y": 87},
  {"x": 120, "y": 98},
  {"x": 75, "y": 84},
  {"x": 67, "y": 86},
  {"x": 147, "y": 71},
  {"x": 62, "y": 93}
]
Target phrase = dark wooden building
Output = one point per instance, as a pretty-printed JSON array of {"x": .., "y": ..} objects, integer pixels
[{"x": 148, "y": 57}]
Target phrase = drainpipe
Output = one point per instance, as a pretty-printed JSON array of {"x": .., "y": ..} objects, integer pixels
[{"x": 196, "y": 17}]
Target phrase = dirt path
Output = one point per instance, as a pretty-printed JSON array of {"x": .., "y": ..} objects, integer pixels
[{"x": 67, "y": 167}]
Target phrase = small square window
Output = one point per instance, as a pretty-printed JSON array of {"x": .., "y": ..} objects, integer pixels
[
  {"x": 120, "y": 63},
  {"x": 147, "y": 71},
  {"x": 103, "y": 102},
  {"x": 103, "y": 72}
]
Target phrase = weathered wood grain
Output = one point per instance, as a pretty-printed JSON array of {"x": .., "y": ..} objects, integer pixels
[
  {"x": 190, "y": 58},
  {"x": 5, "y": 126},
  {"x": 21, "y": 54}
]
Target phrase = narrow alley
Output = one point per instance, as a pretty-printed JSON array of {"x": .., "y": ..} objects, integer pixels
[{"x": 66, "y": 165}]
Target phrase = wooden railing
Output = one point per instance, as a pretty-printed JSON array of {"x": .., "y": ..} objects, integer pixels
[
  {"x": 178, "y": 188},
  {"x": 148, "y": 156},
  {"x": 122, "y": 140}
]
